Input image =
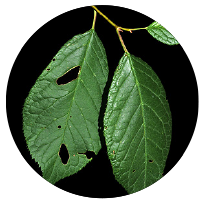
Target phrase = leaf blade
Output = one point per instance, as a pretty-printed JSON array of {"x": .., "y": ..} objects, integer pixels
[
  {"x": 161, "y": 34},
  {"x": 67, "y": 113},
  {"x": 134, "y": 122}
]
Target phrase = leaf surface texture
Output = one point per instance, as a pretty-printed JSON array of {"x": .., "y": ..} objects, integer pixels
[
  {"x": 137, "y": 125},
  {"x": 67, "y": 114},
  {"x": 161, "y": 34}
]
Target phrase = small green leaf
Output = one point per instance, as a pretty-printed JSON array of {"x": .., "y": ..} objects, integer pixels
[
  {"x": 62, "y": 115},
  {"x": 161, "y": 34},
  {"x": 137, "y": 125}
]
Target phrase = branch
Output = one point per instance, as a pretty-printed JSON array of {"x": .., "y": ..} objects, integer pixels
[{"x": 113, "y": 24}]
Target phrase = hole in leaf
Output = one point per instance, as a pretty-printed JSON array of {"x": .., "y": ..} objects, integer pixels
[
  {"x": 59, "y": 126},
  {"x": 48, "y": 69},
  {"x": 150, "y": 161},
  {"x": 133, "y": 170},
  {"x": 63, "y": 153},
  {"x": 54, "y": 59},
  {"x": 89, "y": 154},
  {"x": 69, "y": 76}
]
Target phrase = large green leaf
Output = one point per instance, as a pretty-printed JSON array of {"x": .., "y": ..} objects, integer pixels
[
  {"x": 137, "y": 125},
  {"x": 57, "y": 114},
  {"x": 161, "y": 34}
]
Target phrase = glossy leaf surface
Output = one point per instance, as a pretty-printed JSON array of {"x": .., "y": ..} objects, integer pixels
[
  {"x": 161, "y": 34},
  {"x": 58, "y": 113},
  {"x": 137, "y": 125}
]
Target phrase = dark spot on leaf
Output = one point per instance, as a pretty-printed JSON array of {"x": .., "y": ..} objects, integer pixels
[
  {"x": 133, "y": 170},
  {"x": 69, "y": 76},
  {"x": 70, "y": 116},
  {"x": 63, "y": 153},
  {"x": 48, "y": 69},
  {"x": 150, "y": 161},
  {"x": 59, "y": 126},
  {"x": 54, "y": 59},
  {"x": 89, "y": 154}
]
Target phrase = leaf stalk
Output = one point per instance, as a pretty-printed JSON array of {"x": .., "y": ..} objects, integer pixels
[
  {"x": 94, "y": 20},
  {"x": 104, "y": 16},
  {"x": 121, "y": 40}
]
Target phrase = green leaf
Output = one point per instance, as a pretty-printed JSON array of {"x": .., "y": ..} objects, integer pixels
[
  {"x": 161, "y": 34},
  {"x": 59, "y": 114},
  {"x": 137, "y": 125}
]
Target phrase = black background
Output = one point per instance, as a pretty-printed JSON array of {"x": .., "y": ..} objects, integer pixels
[{"x": 169, "y": 62}]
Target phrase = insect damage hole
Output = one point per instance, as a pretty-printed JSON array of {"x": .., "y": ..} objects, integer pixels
[
  {"x": 63, "y": 153},
  {"x": 151, "y": 161},
  {"x": 69, "y": 76},
  {"x": 89, "y": 154}
]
